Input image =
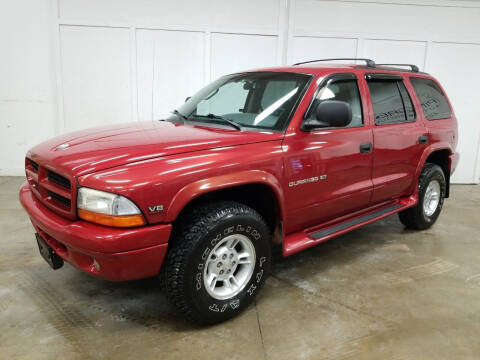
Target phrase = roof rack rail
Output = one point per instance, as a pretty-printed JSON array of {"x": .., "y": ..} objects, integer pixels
[
  {"x": 411, "y": 66},
  {"x": 369, "y": 62}
]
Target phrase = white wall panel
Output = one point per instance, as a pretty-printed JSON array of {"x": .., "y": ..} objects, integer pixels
[
  {"x": 96, "y": 76},
  {"x": 251, "y": 14},
  {"x": 170, "y": 67},
  {"x": 395, "y": 51},
  {"x": 310, "y": 48},
  {"x": 446, "y": 22},
  {"x": 233, "y": 52},
  {"x": 27, "y": 85},
  {"x": 179, "y": 12},
  {"x": 455, "y": 65}
]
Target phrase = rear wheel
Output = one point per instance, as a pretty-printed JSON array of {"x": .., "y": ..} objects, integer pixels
[
  {"x": 217, "y": 262},
  {"x": 431, "y": 193}
]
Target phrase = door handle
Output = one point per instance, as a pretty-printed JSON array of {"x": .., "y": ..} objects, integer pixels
[
  {"x": 423, "y": 139},
  {"x": 365, "y": 148}
]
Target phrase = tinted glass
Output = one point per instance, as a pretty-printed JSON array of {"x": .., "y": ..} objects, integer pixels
[
  {"x": 434, "y": 103},
  {"x": 263, "y": 100},
  {"x": 407, "y": 101},
  {"x": 346, "y": 91},
  {"x": 388, "y": 105}
]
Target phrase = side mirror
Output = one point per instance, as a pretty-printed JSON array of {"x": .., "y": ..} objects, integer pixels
[
  {"x": 188, "y": 98},
  {"x": 329, "y": 113}
]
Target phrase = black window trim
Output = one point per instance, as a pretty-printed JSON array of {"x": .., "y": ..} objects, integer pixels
[
  {"x": 411, "y": 102},
  {"x": 441, "y": 92},
  {"x": 329, "y": 79},
  {"x": 396, "y": 79},
  {"x": 382, "y": 76}
]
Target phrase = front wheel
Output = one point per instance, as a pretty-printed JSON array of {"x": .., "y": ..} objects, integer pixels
[
  {"x": 431, "y": 193},
  {"x": 218, "y": 260}
]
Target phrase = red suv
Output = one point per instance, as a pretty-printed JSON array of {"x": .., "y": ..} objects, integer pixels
[{"x": 291, "y": 156}]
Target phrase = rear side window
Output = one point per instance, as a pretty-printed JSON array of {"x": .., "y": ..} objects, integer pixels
[
  {"x": 434, "y": 104},
  {"x": 391, "y": 102}
]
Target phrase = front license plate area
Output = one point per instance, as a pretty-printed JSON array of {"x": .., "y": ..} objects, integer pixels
[{"x": 55, "y": 261}]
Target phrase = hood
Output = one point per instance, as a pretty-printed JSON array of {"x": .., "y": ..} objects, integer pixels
[{"x": 87, "y": 151}]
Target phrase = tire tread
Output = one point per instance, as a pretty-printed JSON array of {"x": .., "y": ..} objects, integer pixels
[
  {"x": 412, "y": 218},
  {"x": 187, "y": 233}
]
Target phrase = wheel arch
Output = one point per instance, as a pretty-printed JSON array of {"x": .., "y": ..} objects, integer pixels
[
  {"x": 257, "y": 189},
  {"x": 439, "y": 155}
]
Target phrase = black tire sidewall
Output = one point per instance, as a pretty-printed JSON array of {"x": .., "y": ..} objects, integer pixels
[{"x": 209, "y": 309}]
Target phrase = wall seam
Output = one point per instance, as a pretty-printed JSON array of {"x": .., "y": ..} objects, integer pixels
[{"x": 59, "y": 127}]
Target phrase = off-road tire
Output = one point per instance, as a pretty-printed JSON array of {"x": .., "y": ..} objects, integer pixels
[
  {"x": 193, "y": 237},
  {"x": 415, "y": 217}
]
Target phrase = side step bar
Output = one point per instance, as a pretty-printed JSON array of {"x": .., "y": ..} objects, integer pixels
[
  {"x": 345, "y": 225},
  {"x": 301, "y": 240}
]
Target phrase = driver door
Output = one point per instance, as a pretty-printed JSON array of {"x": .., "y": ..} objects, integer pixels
[{"x": 329, "y": 170}]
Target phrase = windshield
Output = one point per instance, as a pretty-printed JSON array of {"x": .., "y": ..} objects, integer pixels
[{"x": 261, "y": 100}]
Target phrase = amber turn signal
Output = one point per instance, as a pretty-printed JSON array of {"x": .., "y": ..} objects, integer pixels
[{"x": 112, "y": 220}]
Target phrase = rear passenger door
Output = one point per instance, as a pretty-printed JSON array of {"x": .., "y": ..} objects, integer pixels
[{"x": 399, "y": 138}]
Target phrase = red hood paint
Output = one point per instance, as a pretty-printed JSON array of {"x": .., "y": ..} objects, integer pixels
[{"x": 95, "y": 149}]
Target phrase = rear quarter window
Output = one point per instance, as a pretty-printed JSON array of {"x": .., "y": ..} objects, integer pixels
[{"x": 434, "y": 103}]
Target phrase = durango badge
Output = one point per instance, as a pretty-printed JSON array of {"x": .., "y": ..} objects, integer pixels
[{"x": 306, "y": 181}]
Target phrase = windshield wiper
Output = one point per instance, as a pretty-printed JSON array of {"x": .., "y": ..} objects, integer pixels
[
  {"x": 176, "y": 112},
  {"x": 228, "y": 121}
]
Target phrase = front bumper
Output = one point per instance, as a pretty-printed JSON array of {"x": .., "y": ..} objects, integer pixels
[{"x": 111, "y": 253}]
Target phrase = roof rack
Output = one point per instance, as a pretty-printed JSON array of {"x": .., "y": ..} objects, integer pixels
[
  {"x": 411, "y": 66},
  {"x": 369, "y": 62}
]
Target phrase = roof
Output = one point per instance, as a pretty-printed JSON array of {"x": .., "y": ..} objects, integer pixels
[
  {"x": 316, "y": 69},
  {"x": 319, "y": 67}
]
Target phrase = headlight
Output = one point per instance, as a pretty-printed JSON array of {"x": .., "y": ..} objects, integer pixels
[{"x": 108, "y": 209}]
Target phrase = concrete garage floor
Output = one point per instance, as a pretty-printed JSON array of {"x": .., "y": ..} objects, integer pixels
[{"x": 380, "y": 292}]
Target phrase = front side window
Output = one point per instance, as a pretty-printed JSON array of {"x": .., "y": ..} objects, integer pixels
[
  {"x": 391, "y": 102},
  {"x": 434, "y": 103},
  {"x": 342, "y": 90},
  {"x": 262, "y": 100}
]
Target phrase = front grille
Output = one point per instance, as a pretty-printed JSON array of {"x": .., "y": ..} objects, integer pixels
[
  {"x": 34, "y": 166},
  {"x": 60, "y": 199},
  {"x": 57, "y": 192},
  {"x": 58, "y": 179}
]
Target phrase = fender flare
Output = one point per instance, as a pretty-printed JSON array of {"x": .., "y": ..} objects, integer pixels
[
  {"x": 426, "y": 153},
  {"x": 220, "y": 182}
]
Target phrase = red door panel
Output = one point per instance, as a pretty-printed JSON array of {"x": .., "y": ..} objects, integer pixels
[
  {"x": 326, "y": 175},
  {"x": 396, "y": 155}
]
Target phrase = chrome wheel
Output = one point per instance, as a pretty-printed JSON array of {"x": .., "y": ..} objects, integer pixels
[
  {"x": 431, "y": 198},
  {"x": 229, "y": 266}
]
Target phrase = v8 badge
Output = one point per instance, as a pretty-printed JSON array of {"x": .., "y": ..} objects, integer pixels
[{"x": 155, "y": 209}]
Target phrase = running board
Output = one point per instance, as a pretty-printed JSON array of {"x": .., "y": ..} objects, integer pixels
[
  {"x": 362, "y": 219},
  {"x": 301, "y": 240}
]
